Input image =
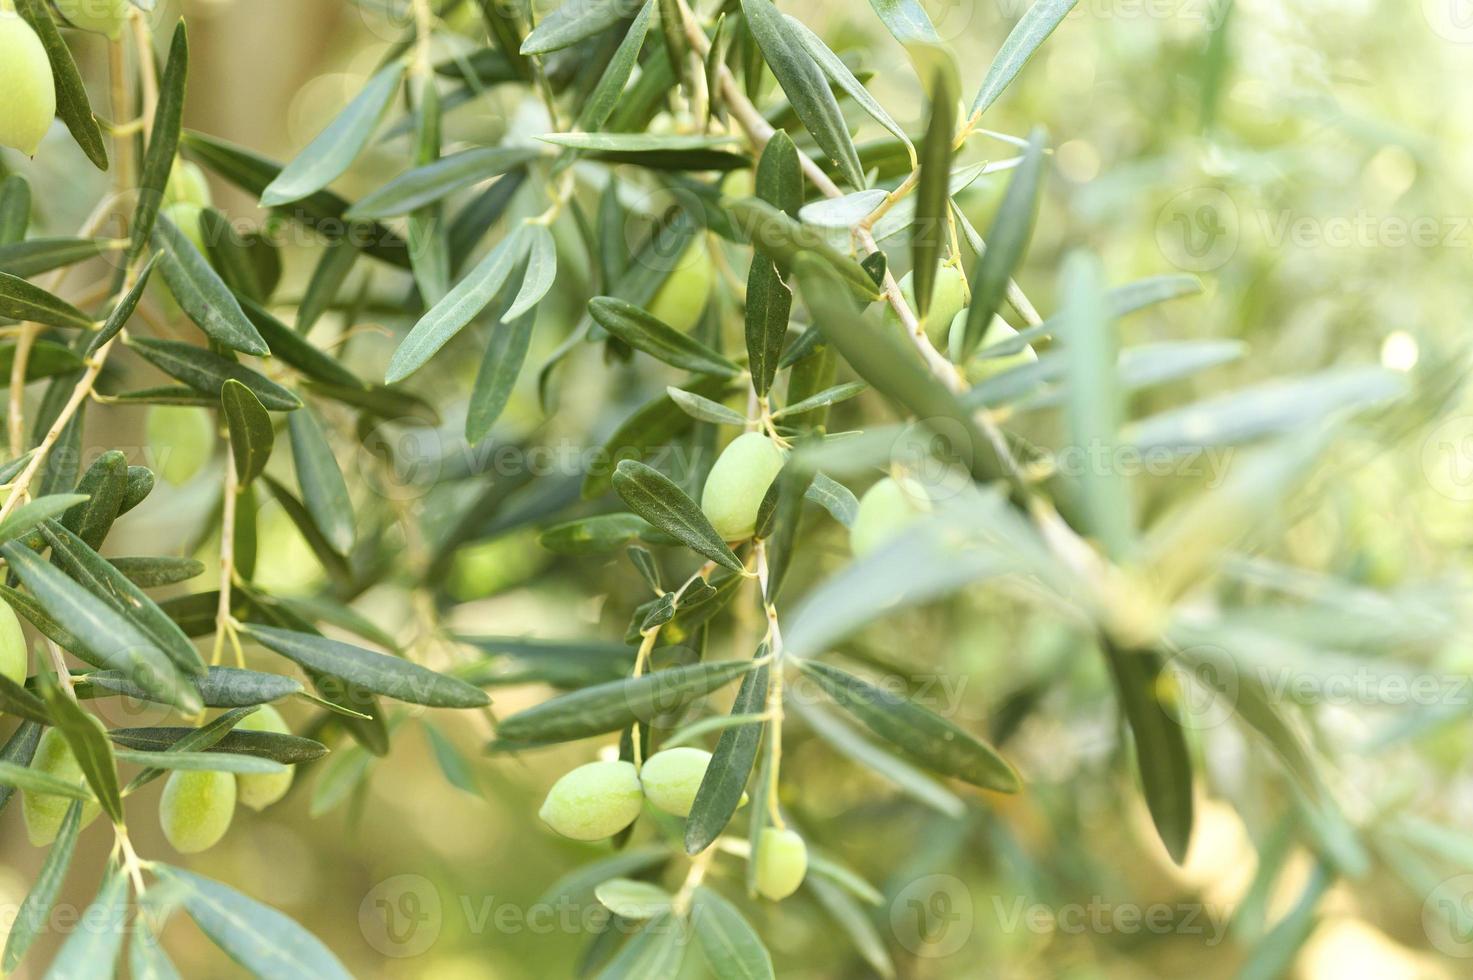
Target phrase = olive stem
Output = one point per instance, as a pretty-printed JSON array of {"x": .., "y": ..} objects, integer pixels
[
  {"x": 63, "y": 672},
  {"x": 132, "y": 866},
  {"x": 646, "y": 645},
  {"x": 699, "y": 865},
  {"x": 774, "y": 708},
  {"x": 223, "y": 625}
]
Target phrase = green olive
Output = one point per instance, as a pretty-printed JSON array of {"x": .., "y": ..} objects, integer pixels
[
  {"x": 979, "y": 369},
  {"x": 947, "y": 300},
  {"x": 29, "y": 101},
  {"x": 187, "y": 185},
  {"x": 196, "y": 809},
  {"x": 682, "y": 299},
  {"x": 260, "y": 790},
  {"x": 181, "y": 440},
  {"x": 672, "y": 777},
  {"x": 737, "y": 484},
  {"x": 44, "y": 812},
  {"x": 782, "y": 861},
  {"x": 186, "y": 217},
  {"x": 101, "y": 16},
  {"x": 738, "y": 184},
  {"x": 885, "y": 510},
  {"x": 13, "y": 660},
  {"x": 594, "y": 801}
]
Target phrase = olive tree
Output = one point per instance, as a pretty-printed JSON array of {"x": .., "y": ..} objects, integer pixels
[{"x": 840, "y": 377}]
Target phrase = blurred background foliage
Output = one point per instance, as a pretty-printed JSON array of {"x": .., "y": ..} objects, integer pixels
[{"x": 1288, "y": 154}]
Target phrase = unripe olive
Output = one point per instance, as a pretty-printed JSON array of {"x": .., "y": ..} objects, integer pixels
[
  {"x": 27, "y": 88},
  {"x": 738, "y": 184},
  {"x": 682, "y": 299},
  {"x": 187, "y": 185},
  {"x": 737, "y": 484},
  {"x": 44, "y": 812},
  {"x": 948, "y": 298},
  {"x": 181, "y": 439},
  {"x": 672, "y": 777},
  {"x": 102, "y": 16},
  {"x": 196, "y": 809},
  {"x": 13, "y": 661},
  {"x": 979, "y": 369},
  {"x": 594, "y": 801},
  {"x": 884, "y": 511},
  {"x": 782, "y": 861},
  {"x": 260, "y": 790},
  {"x": 186, "y": 217}
]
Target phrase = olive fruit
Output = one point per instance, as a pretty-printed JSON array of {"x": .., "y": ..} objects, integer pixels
[
  {"x": 682, "y": 299},
  {"x": 738, "y": 184},
  {"x": 594, "y": 801},
  {"x": 672, "y": 777},
  {"x": 13, "y": 661},
  {"x": 884, "y": 511},
  {"x": 979, "y": 369},
  {"x": 196, "y": 808},
  {"x": 100, "y": 16},
  {"x": 44, "y": 812},
  {"x": 782, "y": 861},
  {"x": 186, "y": 217},
  {"x": 948, "y": 298},
  {"x": 187, "y": 185},
  {"x": 738, "y": 482},
  {"x": 181, "y": 440},
  {"x": 260, "y": 790},
  {"x": 29, "y": 102}
]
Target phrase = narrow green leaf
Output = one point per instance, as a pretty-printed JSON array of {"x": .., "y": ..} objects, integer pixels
[
  {"x": 540, "y": 273},
  {"x": 574, "y": 21},
  {"x": 256, "y": 936},
  {"x": 20, "y": 300},
  {"x": 206, "y": 372},
  {"x": 15, "y": 209},
  {"x": 779, "y": 182},
  {"x": 289, "y": 750},
  {"x": 201, "y": 293},
  {"x": 459, "y": 307},
  {"x": 435, "y": 181},
  {"x": 244, "y": 765},
  {"x": 653, "y": 496},
  {"x": 328, "y": 156},
  {"x": 20, "y": 748},
  {"x": 615, "y": 705},
  {"x": 324, "y": 490},
  {"x": 923, "y": 735},
  {"x": 33, "y": 513},
  {"x": 146, "y": 957},
  {"x": 222, "y": 687},
  {"x": 292, "y": 348},
  {"x": 704, "y": 409},
  {"x": 1007, "y": 239},
  {"x": 933, "y": 199},
  {"x": 332, "y": 269},
  {"x": 92, "y": 950},
  {"x": 610, "y": 87},
  {"x": 251, "y": 432},
  {"x": 163, "y": 143},
  {"x": 71, "y": 95},
  {"x": 35, "y": 910},
  {"x": 594, "y": 535},
  {"x": 31, "y": 258},
  {"x": 839, "y": 74},
  {"x": 777, "y": 234},
  {"x": 88, "y": 741},
  {"x": 805, "y": 86},
  {"x": 643, "y": 331},
  {"x": 152, "y": 572},
  {"x": 727, "y": 773},
  {"x": 652, "y": 426},
  {"x": 391, "y": 677},
  {"x": 22, "y": 777},
  {"x": 1032, "y": 29},
  {"x": 732, "y": 948},
  {"x": 501, "y": 366},
  {"x": 123, "y": 312},
  {"x": 632, "y": 899}
]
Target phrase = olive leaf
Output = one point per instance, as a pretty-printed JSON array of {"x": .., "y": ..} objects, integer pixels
[
  {"x": 256, "y": 936},
  {"x": 126, "y": 307},
  {"x": 933, "y": 199},
  {"x": 653, "y": 496},
  {"x": 336, "y": 147},
  {"x": 574, "y": 21},
  {"x": 437, "y": 180},
  {"x": 1027, "y": 35},
  {"x": 88, "y": 741},
  {"x": 324, "y": 491},
  {"x": 206, "y": 372},
  {"x": 921, "y": 734},
  {"x": 19, "y": 300},
  {"x": 101, "y": 635},
  {"x": 93, "y": 951},
  {"x": 289, "y": 750},
  {"x": 34, "y": 912},
  {"x": 152, "y": 572},
  {"x": 221, "y": 687},
  {"x": 251, "y": 431},
  {"x": 730, "y": 945},
  {"x": 31, "y": 258},
  {"x": 839, "y": 74},
  {"x": 594, "y": 535},
  {"x": 20, "y": 748},
  {"x": 391, "y": 677},
  {"x": 704, "y": 409},
  {"x": 163, "y": 143},
  {"x": 201, "y": 293},
  {"x": 1006, "y": 241},
  {"x": 71, "y": 95},
  {"x": 804, "y": 85},
  {"x": 725, "y": 781},
  {"x": 617, "y": 704},
  {"x": 643, "y": 331},
  {"x": 605, "y": 95},
  {"x": 779, "y": 182}
]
